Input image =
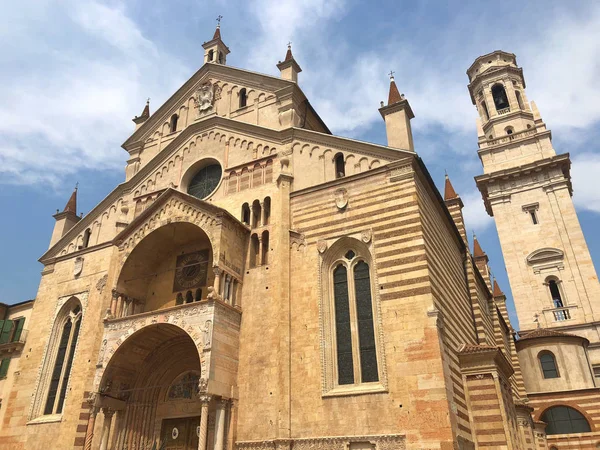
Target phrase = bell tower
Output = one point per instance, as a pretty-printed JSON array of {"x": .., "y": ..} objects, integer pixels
[{"x": 527, "y": 188}]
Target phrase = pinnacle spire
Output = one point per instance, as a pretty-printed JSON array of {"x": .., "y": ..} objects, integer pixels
[
  {"x": 288, "y": 54},
  {"x": 217, "y": 34},
  {"x": 477, "y": 250},
  {"x": 497, "y": 291},
  {"x": 71, "y": 205},
  {"x": 449, "y": 192},
  {"x": 394, "y": 96}
]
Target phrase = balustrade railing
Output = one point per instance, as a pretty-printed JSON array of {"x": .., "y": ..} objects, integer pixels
[{"x": 503, "y": 111}]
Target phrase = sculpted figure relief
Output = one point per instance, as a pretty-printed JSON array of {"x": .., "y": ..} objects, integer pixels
[{"x": 205, "y": 97}]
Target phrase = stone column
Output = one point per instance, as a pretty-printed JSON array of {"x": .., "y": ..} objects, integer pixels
[
  {"x": 259, "y": 256},
  {"x": 217, "y": 285},
  {"x": 108, "y": 414},
  {"x": 89, "y": 432},
  {"x": 220, "y": 423},
  {"x": 116, "y": 429},
  {"x": 119, "y": 306},
  {"x": 113, "y": 303},
  {"x": 205, "y": 399}
]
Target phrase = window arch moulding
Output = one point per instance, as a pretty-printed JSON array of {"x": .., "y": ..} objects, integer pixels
[
  {"x": 359, "y": 247},
  {"x": 55, "y": 322},
  {"x": 545, "y": 259}
]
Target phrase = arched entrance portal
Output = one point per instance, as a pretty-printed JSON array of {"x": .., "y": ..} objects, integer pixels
[{"x": 152, "y": 386}]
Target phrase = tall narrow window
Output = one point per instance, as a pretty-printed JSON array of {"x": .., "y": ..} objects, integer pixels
[
  {"x": 86, "y": 238},
  {"x": 243, "y": 97},
  {"x": 534, "y": 217},
  {"x": 19, "y": 323},
  {"x": 500, "y": 98},
  {"x": 173, "y": 123},
  {"x": 266, "y": 210},
  {"x": 254, "y": 249},
  {"x": 345, "y": 363},
  {"x": 63, "y": 361},
  {"x": 221, "y": 58},
  {"x": 256, "y": 212},
  {"x": 246, "y": 213},
  {"x": 354, "y": 319},
  {"x": 555, "y": 293},
  {"x": 211, "y": 54},
  {"x": 548, "y": 364},
  {"x": 340, "y": 166},
  {"x": 364, "y": 316},
  {"x": 6, "y": 327},
  {"x": 265, "y": 247}
]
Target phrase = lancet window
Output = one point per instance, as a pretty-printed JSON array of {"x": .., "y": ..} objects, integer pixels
[
  {"x": 349, "y": 300},
  {"x": 59, "y": 357}
]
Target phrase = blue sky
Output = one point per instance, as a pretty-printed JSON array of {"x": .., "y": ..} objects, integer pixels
[{"x": 74, "y": 72}]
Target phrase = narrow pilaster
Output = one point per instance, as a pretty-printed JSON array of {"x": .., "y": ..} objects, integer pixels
[
  {"x": 108, "y": 414},
  {"x": 89, "y": 432}
]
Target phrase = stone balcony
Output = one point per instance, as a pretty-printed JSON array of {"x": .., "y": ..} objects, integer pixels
[{"x": 567, "y": 314}]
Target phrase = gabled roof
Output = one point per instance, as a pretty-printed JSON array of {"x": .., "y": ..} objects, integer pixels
[{"x": 223, "y": 72}]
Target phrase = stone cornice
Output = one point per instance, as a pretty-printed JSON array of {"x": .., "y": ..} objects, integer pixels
[{"x": 483, "y": 181}]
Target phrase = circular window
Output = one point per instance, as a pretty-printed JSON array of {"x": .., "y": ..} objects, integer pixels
[{"x": 205, "y": 181}]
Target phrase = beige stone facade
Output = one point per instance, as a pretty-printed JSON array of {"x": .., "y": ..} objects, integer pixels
[{"x": 259, "y": 283}]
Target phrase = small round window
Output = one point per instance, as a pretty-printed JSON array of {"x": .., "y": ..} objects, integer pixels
[{"x": 205, "y": 181}]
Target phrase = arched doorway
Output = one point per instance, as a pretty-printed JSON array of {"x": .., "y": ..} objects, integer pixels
[
  {"x": 170, "y": 266},
  {"x": 152, "y": 382}
]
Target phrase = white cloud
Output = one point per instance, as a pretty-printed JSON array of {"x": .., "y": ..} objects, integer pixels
[
  {"x": 584, "y": 173},
  {"x": 71, "y": 89},
  {"x": 476, "y": 218}
]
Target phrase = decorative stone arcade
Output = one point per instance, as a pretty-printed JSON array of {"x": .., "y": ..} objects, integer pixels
[{"x": 167, "y": 365}]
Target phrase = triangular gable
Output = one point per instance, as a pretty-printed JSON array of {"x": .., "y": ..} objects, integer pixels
[
  {"x": 221, "y": 72},
  {"x": 201, "y": 207}
]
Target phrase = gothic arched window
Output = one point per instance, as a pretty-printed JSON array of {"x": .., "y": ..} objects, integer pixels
[
  {"x": 500, "y": 98},
  {"x": 59, "y": 357},
  {"x": 565, "y": 420},
  {"x": 86, "y": 238},
  {"x": 548, "y": 364},
  {"x": 173, "y": 123},
  {"x": 243, "y": 97},
  {"x": 355, "y": 344},
  {"x": 340, "y": 166}
]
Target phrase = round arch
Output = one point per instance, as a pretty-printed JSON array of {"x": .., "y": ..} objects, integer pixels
[{"x": 148, "y": 273}]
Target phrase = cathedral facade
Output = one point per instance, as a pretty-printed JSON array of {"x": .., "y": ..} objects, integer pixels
[{"x": 259, "y": 283}]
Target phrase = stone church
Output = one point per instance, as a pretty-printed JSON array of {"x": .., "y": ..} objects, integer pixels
[{"x": 259, "y": 283}]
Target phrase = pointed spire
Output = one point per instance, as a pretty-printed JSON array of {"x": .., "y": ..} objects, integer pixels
[
  {"x": 394, "y": 96},
  {"x": 497, "y": 291},
  {"x": 449, "y": 192},
  {"x": 217, "y": 34},
  {"x": 288, "y": 54},
  {"x": 477, "y": 250},
  {"x": 71, "y": 205}
]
